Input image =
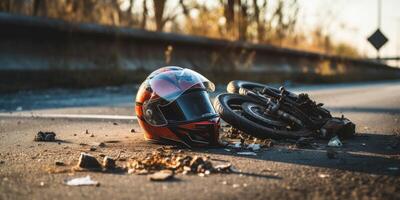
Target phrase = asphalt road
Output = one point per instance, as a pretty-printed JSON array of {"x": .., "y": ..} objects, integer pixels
[{"x": 367, "y": 167}]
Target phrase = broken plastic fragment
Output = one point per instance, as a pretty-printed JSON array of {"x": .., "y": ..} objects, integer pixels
[
  {"x": 223, "y": 167},
  {"x": 162, "y": 175},
  {"x": 81, "y": 181},
  {"x": 247, "y": 153},
  {"x": 109, "y": 163},
  {"x": 254, "y": 147},
  {"x": 235, "y": 185},
  {"x": 87, "y": 161},
  {"x": 323, "y": 175},
  {"x": 238, "y": 145},
  {"x": 335, "y": 142},
  {"x": 45, "y": 136}
]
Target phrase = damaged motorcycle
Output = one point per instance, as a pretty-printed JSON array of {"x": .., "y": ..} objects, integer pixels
[{"x": 267, "y": 112}]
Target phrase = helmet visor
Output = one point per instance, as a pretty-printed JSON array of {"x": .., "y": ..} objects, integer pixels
[
  {"x": 190, "y": 106},
  {"x": 171, "y": 85}
]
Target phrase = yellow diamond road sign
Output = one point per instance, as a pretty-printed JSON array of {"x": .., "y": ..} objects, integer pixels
[{"x": 377, "y": 39}]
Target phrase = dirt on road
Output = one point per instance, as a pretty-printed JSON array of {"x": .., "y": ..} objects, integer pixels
[{"x": 365, "y": 167}]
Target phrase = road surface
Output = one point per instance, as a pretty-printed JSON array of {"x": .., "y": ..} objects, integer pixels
[{"x": 367, "y": 167}]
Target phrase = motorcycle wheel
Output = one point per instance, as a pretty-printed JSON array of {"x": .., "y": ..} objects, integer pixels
[{"x": 230, "y": 109}]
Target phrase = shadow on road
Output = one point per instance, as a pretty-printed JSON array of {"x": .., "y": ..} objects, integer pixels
[
  {"x": 365, "y": 110},
  {"x": 366, "y": 153}
]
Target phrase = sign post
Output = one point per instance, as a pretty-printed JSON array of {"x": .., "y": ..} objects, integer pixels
[{"x": 378, "y": 39}]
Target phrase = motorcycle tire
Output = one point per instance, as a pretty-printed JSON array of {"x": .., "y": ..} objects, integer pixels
[{"x": 229, "y": 107}]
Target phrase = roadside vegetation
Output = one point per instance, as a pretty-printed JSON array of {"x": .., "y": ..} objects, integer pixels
[{"x": 258, "y": 21}]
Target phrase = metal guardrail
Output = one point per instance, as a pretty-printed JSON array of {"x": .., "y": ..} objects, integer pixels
[
  {"x": 38, "y": 50},
  {"x": 59, "y": 26}
]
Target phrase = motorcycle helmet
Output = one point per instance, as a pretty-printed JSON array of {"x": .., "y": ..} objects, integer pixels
[{"x": 173, "y": 106}]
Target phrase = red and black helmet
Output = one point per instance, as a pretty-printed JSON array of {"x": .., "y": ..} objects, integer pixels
[{"x": 173, "y": 106}]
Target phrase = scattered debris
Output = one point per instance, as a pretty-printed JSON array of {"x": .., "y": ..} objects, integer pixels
[
  {"x": 45, "y": 136},
  {"x": 2, "y": 161},
  {"x": 59, "y": 163},
  {"x": 235, "y": 185},
  {"x": 178, "y": 162},
  {"x": 247, "y": 153},
  {"x": 225, "y": 168},
  {"x": 133, "y": 131},
  {"x": 254, "y": 147},
  {"x": 162, "y": 175},
  {"x": 237, "y": 145},
  {"x": 92, "y": 135},
  {"x": 335, "y": 142},
  {"x": 41, "y": 184},
  {"x": 81, "y": 181},
  {"x": 109, "y": 163},
  {"x": 83, "y": 144},
  {"x": 323, "y": 175},
  {"x": 342, "y": 127},
  {"x": 363, "y": 144},
  {"x": 87, "y": 161},
  {"x": 93, "y": 148},
  {"x": 115, "y": 123},
  {"x": 246, "y": 141},
  {"x": 75, "y": 134},
  {"x": 102, "y": 144},
  {"x": 331, "y": 153}
]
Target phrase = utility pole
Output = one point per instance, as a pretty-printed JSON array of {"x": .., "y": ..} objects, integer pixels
[
  {"x": 378, "y": 56},
  {"x": 398, "y": 42}
]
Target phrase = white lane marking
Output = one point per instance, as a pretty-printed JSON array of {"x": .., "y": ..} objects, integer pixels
[{"x": 69, "y": 116}]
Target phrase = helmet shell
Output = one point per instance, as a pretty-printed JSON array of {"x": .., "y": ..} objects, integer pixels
[{"x": 172, "y": 106}]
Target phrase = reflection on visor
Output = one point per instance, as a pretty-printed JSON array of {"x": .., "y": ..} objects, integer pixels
[
  {"x": 171, "y": 84},
  {"x": 189, "y": 106}
]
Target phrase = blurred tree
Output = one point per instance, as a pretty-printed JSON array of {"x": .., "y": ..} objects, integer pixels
[
  {"x": 229, "y": 13},
  {"x": 39, "y": 7},
  {"x": 245, "y": 20},
  {"x": 260, "y": 21},
  {"x": 158, "y": 14},
  {"x": 144, "y": 15},
  {"x": 284, "y": 21},
  {"x": 5, "y": 5}
]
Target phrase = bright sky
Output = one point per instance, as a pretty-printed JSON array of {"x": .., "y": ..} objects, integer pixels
[
  {"x": 346, "y": 20},
  {"x": 355, "y": 20}
]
